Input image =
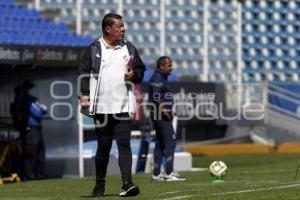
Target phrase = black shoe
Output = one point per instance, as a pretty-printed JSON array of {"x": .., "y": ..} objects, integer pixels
[
  {"x": 98, "y": 191},
  {"x": 129, "y": 189}
]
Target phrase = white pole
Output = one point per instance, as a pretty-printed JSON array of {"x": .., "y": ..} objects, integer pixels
[
  {"x": 78, "y": 17},
  {"x": 120, "y": 7},
  {"x": 162, "y": 28},
  {"x": 37, "y": 5},
  {"x": 205, "y": 40},
  {"x": 239, "y": 54},
  {"x": 80, "y": 143}
]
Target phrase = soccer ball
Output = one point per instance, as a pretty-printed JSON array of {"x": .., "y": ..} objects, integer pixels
[{"x": 218, "y": 169}]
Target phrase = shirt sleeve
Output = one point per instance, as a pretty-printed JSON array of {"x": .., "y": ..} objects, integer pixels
[{"x": 36, "y": 110}]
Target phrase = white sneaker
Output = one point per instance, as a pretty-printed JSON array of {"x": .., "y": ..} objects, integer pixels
[
  {"x": 159, "y": 177},
  {"x": 174, "y": 176}
]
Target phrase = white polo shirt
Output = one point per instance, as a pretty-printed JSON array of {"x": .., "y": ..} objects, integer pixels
[{"x": 113, "y": 93}]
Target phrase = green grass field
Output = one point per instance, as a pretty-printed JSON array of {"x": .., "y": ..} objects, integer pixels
[{"x": 249, "y": 177}]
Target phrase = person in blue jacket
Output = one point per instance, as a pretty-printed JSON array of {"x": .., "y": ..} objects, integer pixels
[
  {"x": 161, "y": 100},
  {"x": 34, "y": 155}
]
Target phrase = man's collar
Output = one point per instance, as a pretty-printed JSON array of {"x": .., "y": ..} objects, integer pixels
[{"x": 107, "y": 46}]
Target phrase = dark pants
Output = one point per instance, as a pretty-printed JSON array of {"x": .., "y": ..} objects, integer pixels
[
  {"x": 34, "y": 155},
  {"x": 113, "y": 129},
  {"x": 165, "y": 144}
]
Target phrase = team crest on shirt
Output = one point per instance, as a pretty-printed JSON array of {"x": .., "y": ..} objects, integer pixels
[{"x": 125, "y": 58}]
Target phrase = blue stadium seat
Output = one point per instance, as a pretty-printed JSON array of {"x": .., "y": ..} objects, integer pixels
[
  {"x": 6, "y": 2},
  {"x": 21, "y": 26},
  {"x": 270, "y": 32},
  {"x": 280, "y": 38}
]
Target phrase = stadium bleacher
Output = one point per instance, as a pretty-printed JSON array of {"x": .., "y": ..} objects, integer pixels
[
  {"x": 142, "y": 20},
  {"x": 270, "y": 35},
  {"x": 21, "y": 26},
  {"x": 271, "y": 40}
]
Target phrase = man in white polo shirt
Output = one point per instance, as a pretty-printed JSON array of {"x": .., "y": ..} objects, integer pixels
[{"x": 107, "y": 68}]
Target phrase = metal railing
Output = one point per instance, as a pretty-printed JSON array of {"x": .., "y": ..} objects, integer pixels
[
  {"x": 285, "y": 95},
  {"x": 281, "y": 117}
]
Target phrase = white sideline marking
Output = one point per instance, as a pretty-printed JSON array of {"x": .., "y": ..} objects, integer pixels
[
  {"x": 172, "y": 192},
  {"x": 181, "y": 197},
  {"x": 257, "y": 190},
  {"x": 198, "y": 169},
  {"x": 265, "y": 171},
  {"x": 179, "y": 191},
  {"x": 234, "y": 192}
]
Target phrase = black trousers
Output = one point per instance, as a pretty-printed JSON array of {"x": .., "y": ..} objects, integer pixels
[
  {"x": 165, "y": 144},
  {"x": 107, "y": 129},
  {"x": 34, "y": 155}
]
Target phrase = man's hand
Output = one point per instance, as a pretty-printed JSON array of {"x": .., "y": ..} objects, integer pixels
[
  {"x": 163, "y": 111},
  {"x": 129, "y": 74},
  {"x": 85, "y": 102},
  {"x": 166, "y": 115},
  {"x": 43, "y": 106}
]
